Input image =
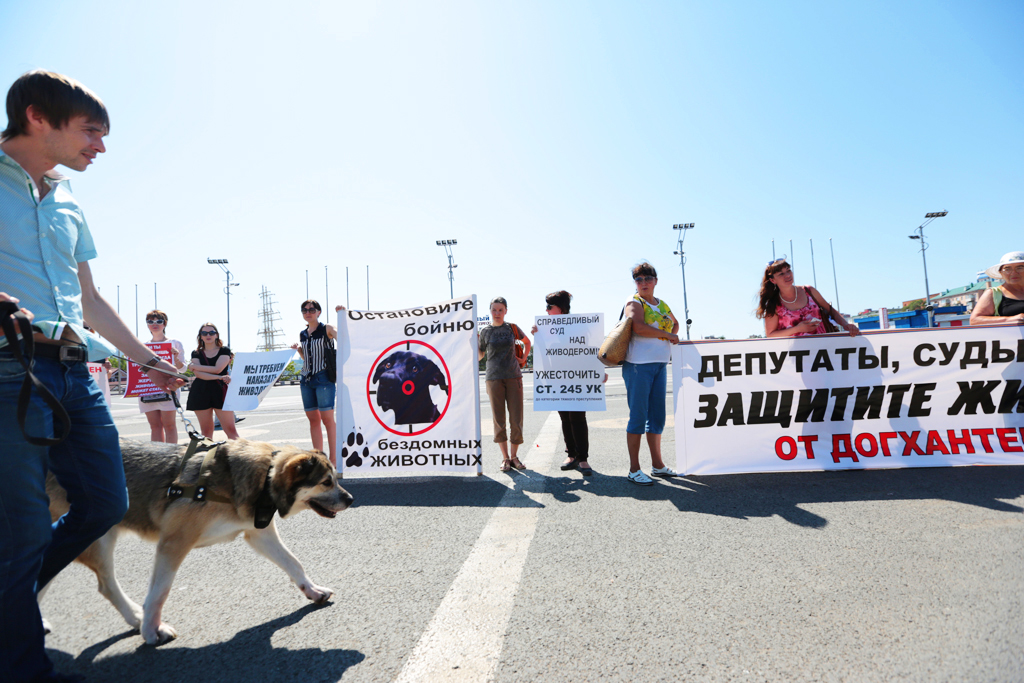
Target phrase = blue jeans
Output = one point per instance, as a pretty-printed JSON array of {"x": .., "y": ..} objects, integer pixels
[
  {"x": 317, "y": 392},
  {"x": 645, "y": 394},
  {"x": 87, "y": 464}
]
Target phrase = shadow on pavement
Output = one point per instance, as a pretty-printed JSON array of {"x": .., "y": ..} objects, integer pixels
[
  {"x": 249, "y": 656},
  {"x": 431, "y": 492},
  {"x": 740, "y": 496},
  {"x": 744, "y": 496}
]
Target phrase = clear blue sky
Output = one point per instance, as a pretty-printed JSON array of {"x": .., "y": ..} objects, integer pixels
[{"x": 558, "y": 142}]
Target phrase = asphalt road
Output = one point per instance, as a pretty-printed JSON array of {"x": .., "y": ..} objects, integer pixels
[{"x": 909, "y": 575}]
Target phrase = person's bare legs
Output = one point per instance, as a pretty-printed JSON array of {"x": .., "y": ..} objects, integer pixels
[
  {"x": 633, "y": 446},
  {"x": 156, "y": 425},
  {"x": 227, "y": 423},
  {"x": 327, "y": 416},
  {"x": 205, "y": 418},
  {"x": 316, "y": 435},
  {"x": 654, "y": 443},
  {"x": 169, "y": 420}
]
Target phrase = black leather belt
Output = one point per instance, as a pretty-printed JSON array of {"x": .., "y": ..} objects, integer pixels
[{"x": 68, "y": 353}]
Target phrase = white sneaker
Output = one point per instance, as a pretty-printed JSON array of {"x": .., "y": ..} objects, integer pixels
[
  {"x": 663, "y": 472},
  {"x": 640, "y": 478}
]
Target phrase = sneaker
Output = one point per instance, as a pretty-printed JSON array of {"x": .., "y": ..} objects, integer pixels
[
  {"x": 640, "y": 478},
  {"x": 663, "y": 472}
]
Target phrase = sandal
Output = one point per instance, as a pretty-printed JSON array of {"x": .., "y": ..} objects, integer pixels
[
  {"x": 506, "y": 465},
  {"x": 586, "y": 471},
  {"x": 569, "y": 464},
  {"x": 517, "y": 464}
]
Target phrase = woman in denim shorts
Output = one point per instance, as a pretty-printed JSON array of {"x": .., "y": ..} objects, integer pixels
[
  {"x": 644, "y": 372},
  {"x": 316, "y": 348}
]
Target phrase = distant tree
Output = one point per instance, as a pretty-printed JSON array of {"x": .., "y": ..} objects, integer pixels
[
  {"x": 756, "y": 336},
  {"x": 916, "y": 305}
]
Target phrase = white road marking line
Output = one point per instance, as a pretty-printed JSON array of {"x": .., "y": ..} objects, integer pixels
[{"x": 463, "y": 641}]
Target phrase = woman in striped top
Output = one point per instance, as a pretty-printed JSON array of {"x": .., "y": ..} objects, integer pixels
[{"x": 316, "y": 348}]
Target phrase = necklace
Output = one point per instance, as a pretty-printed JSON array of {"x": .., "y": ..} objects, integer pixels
[{"x": 787, "y": 301}]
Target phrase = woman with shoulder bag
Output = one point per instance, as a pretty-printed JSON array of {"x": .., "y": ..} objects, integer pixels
[
  {"x": 792, "y": 311},
  {"x": 316, "y": 349},
  {"x": 210, "y": 362},
  {"x": 644, "y": 372},
  {"x": 504, "y": 380}
]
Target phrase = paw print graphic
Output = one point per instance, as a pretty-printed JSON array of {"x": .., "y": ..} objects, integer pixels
[{"x": 354, "y": 450}]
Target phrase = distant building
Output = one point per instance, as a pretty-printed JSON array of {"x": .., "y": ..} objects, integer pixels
[
  {"x": 962, "y": 296},
  {"x": 948, "y": 316}
]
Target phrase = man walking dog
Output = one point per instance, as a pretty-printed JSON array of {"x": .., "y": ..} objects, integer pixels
[{"x": 45, "y": 247}]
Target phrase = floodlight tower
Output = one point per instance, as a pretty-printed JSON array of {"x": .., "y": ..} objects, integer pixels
[
  {"x": 228, "y": 284},
  {"x": 682, "y": 228},
  {"x": 448, "y": 244},
  {"x": 929, "y": 217}
]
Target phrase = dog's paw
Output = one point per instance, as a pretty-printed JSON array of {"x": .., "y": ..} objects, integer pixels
[
  {"x": 318, "y": 594},
  {"x": 354, "y": 451},
  {"x": 47, "y": 629},
  {"x": 163, "y": 633}
]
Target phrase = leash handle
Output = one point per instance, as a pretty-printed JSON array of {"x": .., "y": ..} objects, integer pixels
[{"x": 13, "y": 316}]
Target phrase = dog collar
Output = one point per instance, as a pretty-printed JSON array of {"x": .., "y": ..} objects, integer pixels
[{"x": 264, "y": 509}]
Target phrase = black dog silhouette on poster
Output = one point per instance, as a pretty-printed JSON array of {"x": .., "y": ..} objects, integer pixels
[{"x": 403, "y": 385}]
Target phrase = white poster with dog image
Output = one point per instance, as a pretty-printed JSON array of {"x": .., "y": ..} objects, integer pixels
[
  {"x": 408, "y": 390},
  {"x": 566, "y": 372},
  {"x": 252, "y": 376}
]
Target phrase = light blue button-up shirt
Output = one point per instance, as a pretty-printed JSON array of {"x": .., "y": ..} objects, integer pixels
[{"x": 41, "y": 245}]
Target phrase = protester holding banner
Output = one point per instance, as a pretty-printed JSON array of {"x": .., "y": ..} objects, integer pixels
[
  {"x": 210, "y": 363},
  {"x": 504, "y": 380},
  {"x": 574, "y": 422},
  {"x": 644, "y": 372},
  {"x": 160, "y": 412},
  {"x": 319, "y": 375},
  {"x": 791, "y": 311},
  {"x": 1003, "y": 303}
]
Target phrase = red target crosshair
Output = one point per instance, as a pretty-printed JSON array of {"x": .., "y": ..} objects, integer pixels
[{"x": 407, "y": 387}]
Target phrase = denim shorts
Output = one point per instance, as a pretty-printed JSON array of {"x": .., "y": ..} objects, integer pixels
[
  {"x": 646, "y": 386},
  {"x": 317, "y": 392}
]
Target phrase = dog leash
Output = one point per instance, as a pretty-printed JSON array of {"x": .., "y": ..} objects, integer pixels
[{"x": 12, "y": 316}]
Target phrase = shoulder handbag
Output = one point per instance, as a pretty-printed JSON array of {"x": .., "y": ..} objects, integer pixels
[
  {"x": 519, "y": 348},
  {"x": 826, "y": 318},
  {"x": 331, "y": 361},
  {"x": 616, "y": 344}
]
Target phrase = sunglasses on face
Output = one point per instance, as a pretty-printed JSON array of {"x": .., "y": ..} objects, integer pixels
[
  {"x": 309, "y": 310},
  {"x": 641, "y": 279},
  {"x": 154, "y": 321},
  {"x": 209, "y": 333},
  {"x": 549, "y": 307}
]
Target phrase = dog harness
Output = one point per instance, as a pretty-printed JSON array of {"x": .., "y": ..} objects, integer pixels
[
  {"x": 263, "y": 509},
  {"x": 197, "y": 491}
]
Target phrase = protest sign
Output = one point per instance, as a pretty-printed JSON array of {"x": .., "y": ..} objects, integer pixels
[
  {"x": 138, "y": 383},
  {"x": 914, "y": 398},
  {"x": 252, "y": 375},
  {"x": 99, "y": 373},
  {"x": 408, "y": 391},
  {"x": 566, "y": 372}
]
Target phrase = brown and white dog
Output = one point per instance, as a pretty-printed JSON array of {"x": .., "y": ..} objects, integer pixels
[{"x": 244, "y": 472}]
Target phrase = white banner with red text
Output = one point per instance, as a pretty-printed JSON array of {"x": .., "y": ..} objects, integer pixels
[
  {"x": 408, "y": 390},
  {"x": 913, "y": 398},
  {"x": 566, "y": 372}
]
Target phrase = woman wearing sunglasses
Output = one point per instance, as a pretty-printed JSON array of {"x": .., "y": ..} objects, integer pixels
[
  {"x": 644, "y": 372},
  {"x": 210, "y": 363},
  {"x": 1003, "y": 303},
  {"x": 162, "y": 423},
  {"x": 792, "y": 311},
  {"x": 316, "y": 349}
]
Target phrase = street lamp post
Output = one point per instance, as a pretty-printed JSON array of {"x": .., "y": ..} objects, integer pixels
[
  {"x": 228, "y": 284},
  {"x": 447, "y": 244},
  {"x": 929, "y": 217},
  {"x": 682, "y": 228}
]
